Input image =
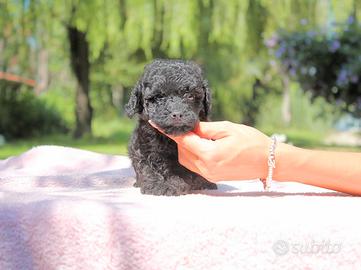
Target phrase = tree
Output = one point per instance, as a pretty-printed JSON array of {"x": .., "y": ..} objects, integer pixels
[
  {"x": 109, "y": 41},
  {"x": 87, "y": 25},
  {"x": 79, "y": 54}
]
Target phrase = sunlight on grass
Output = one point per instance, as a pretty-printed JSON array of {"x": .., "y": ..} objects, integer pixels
[{"x": 110, "y": 137}]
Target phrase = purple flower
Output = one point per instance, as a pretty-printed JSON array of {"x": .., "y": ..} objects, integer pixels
[
  {"x": 354, "y": 79},
  {"x": 350, "y": 19},
  {"x": 311, "y": 34},
  {"x": 358, "y": 103},
  {"x": 342, "y": 77},
  {"x": 335, "y": 45},
  {"x": 292, "y": 71},
  {"x": 303, "y": 21},
  {"x": 272, "y": 63},
  {"x": 271, "y": 42},
  {"x": 280, "y": 51}
]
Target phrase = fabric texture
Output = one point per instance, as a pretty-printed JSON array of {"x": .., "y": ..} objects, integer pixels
[{"x": 64, "y": 208}]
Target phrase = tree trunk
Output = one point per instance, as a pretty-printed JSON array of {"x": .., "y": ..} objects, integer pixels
[
  {"x": 79, "y": 54},
  {"x": 42, "y": 71},
  {"x": 286, "y": 101},
  {"x": 253, "y": 105},
  {"x": 118, "y": 96}
]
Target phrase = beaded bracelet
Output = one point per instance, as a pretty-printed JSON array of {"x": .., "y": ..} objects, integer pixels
[{"x": 271, "y": 164}]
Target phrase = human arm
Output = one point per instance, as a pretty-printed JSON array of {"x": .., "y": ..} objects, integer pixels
[
  {"x": 227, "y": 151},
  {"x": 339, "y": 171}
]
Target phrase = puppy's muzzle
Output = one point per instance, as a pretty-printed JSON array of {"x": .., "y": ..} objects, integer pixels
[{"x": 177, "y": 117}]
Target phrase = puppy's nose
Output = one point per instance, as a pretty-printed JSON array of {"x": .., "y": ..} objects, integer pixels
[{"x": 176, "y": 115}]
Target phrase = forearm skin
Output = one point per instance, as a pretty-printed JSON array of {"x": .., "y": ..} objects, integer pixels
[{"x": 332, "y": 170}]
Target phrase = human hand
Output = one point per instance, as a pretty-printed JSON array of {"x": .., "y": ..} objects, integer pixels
[{"x": 223, "y": 151}]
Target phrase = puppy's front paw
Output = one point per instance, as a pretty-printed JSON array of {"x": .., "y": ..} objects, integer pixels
[
  {"x": 208, "y": 185},
  {"x": 200, "y": 183},
  {"x": 136, "y": 184},
  {"x": 180, "y": 188}
]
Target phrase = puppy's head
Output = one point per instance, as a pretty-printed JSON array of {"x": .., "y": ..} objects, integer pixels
[{"x": 173, "y": 94}]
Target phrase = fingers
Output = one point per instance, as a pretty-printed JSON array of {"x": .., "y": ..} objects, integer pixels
[
  {"x": 206, "y": 130},
  {"x": 190, "y": 141},
  {"x": 193, "y": 163},
  {"x": 193, "y": 143},
  {"x": 159, "y": 129},
  {"x": 194, "y": 152},
  {"x": 213, "y": 130},
  {"x": 188, "y": 159}
]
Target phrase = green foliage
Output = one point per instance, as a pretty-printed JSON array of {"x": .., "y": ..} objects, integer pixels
[
  {"x": 24, "y": 116},
  {"x": 317, "y": 117},
  {"x": 60, "y": 100}
]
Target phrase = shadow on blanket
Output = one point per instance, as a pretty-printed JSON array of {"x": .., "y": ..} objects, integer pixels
[{"x": 271, "y": 194}]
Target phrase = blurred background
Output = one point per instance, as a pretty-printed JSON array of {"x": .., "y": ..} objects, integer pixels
[{"x": 291, "y": 67}]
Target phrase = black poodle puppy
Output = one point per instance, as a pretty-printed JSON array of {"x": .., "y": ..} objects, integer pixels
[{"x": 175, "y": 96}]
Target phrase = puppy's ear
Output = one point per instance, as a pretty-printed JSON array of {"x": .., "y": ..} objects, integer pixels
[
  {"x": 135, "y": 103},
  {"x": 207, "y": 99}
]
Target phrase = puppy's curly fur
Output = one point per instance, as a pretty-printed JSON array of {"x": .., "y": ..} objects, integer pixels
[{"x": 175, "y": 96}]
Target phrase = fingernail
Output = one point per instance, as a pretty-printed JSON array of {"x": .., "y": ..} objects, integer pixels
[{"x": 152, "y": 123}]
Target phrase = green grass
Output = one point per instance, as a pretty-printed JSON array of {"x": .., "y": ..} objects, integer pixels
[
  {"x": 110, "y": 137},
  {"x": 299, "y": 137},
  {"x": 309, "y": 139}
]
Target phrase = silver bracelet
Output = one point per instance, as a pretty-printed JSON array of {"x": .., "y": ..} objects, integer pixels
[{"x": 271, "y": 164}]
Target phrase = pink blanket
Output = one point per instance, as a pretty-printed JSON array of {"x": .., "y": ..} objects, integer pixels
[{"x": 63, "y": 208}]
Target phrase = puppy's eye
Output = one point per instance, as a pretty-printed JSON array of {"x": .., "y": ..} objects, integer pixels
[
  {"x": 150, "y": 99},
  {"x": 188, "y": 96},
  {"x": 154, "y": 98}
]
